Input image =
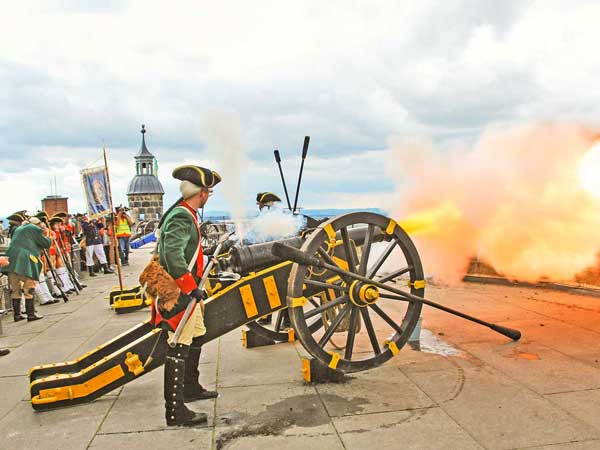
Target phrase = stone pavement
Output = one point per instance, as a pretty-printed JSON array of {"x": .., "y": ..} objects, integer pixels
[{"x": 541, "y": 393}]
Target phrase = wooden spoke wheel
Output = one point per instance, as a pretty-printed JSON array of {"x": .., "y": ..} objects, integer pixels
[{"x": 371, "y": 324}]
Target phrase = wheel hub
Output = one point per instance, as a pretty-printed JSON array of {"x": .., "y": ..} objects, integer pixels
[{"x": 363, "y": 294}]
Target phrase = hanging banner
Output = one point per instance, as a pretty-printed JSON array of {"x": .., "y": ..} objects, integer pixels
[{"x": 95, "y": 184}]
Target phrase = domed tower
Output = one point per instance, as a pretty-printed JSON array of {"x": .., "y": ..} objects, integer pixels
[{"x": 145, "y": 193}]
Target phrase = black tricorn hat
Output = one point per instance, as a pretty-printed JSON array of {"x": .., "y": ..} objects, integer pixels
[
  {"x": 43, "y": 216},
  {"x": 55, "y": 219},
  {"x": 199, "y": 176},
  {"x": 266, "y": 197},
  {"x": 17, "y": 217}
]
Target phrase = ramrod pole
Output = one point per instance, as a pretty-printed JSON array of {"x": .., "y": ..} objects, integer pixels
[
  {"x": 304, "y": 152},
  {"x": 278, "y": 161}
]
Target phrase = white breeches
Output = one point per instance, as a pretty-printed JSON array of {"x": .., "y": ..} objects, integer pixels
[
  {"x": 64, "y": 277},
  {"x": 92, "y": 250},
  {"x": 42, "y": 292}
]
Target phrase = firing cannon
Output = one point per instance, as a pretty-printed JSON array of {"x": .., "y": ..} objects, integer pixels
[{"x": 354, "y": 288}]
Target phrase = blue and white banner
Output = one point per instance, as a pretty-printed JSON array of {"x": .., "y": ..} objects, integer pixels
[{"x": 95, "y": 184}]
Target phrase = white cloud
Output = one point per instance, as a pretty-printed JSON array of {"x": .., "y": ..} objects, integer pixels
[{"x": 348, "y": 74}]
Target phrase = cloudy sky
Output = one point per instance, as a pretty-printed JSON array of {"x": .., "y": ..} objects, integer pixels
[{"x": 75, "y": 75}]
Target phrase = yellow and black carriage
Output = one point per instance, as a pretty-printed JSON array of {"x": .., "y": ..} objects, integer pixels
[{"x": 352, "y": 290}]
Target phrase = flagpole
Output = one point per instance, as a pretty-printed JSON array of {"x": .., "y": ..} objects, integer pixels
[{"x": 113, "y": 219}]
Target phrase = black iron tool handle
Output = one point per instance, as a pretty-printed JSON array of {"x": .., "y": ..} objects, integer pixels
[
  {"x": 278, "y": 161},
  {"x": 298, "y": 256},
  {"x": 304, "y": 153}
]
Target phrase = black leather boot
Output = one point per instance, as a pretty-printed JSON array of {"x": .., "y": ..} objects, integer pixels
[
  {"x": 91, "y": 271},
  {"x": 107, "y": 269},
  {"x": 30, "y": 309},
  {"x": 16, "y": 303},
  {"x": 176, "y": 412},
  {"x": 193, "y": 390}
]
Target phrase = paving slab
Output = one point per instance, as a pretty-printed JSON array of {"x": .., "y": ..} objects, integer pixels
[
  {"x": 10, "y": 327},
  {"x": 320, "y": 442},
  {"x": 430, "y": 429},
  {"x": 379, "y": 390},
  {"x": 75, "y": 327},
  {"x": 282, "y": 409},
  {"x": 36, "y": 353},
  {"x": 542, "y": 369},
  {"x": 15, "y": 340},
  {"x": 106, "y": 333},
  {"x": 64, "y": 429},
  {"x": 500, "y": 413},
  {"x": 581, "y": 445},
  {"x": 585, "y": 405},
  {"x": 140, "y": 405},
  {"x": 421, "y": 361},
  {"x": 563, "y": 337},
  {"x": 174, "y": 438},
  {"x": 12, "y": 390},
  {"x": 239, "y": 366}
]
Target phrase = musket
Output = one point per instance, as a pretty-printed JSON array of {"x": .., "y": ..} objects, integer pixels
[
  {"x": 57, "y": 280},
  {"x": 59, "y": 244},
  {"x": 66, "y": 263}
]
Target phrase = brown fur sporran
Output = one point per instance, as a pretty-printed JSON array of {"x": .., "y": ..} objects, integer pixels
[{"x": 160, "y": 286}]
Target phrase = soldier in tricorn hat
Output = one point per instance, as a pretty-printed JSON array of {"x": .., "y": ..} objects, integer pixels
[
  {"x": 24, "y": 266},
  {"x": 180, "y": 254},
  {"x": 266, "y": 200}
]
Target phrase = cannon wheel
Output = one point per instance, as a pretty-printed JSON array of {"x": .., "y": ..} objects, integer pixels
[{"x": 387, "y": 322}]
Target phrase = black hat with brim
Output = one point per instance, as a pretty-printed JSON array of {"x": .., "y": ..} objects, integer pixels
[
  {"x": 55, "y": 219},
  {"x": 43, "y": 216},
  {"x": 61, "y": 214},
  {"x": 199, "y": 176},
  {"x": 267, "y": 197},
  {"x": 17, "y": 217}
]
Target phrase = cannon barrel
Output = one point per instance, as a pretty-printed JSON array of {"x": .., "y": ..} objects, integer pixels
[{"x": 252, "y": 258}]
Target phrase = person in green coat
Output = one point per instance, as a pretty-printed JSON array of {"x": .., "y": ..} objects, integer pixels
[
  {"x": 24, "y": 267},
  {"x": 180, "y": 254}
]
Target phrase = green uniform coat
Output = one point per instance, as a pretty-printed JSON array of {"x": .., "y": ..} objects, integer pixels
[
  {"x": 177, "y": 244},
  {"x": 24, "y": 251}
]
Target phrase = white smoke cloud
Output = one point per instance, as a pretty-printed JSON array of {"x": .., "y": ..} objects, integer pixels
[
  {"x": 222, "y": 131},
  {"x": 272, "y": 224}
]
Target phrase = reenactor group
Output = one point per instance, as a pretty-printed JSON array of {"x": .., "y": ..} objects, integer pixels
[{"x": 39, "y": 261}]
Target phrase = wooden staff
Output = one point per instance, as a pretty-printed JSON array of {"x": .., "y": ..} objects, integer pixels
[{"x": 114, "y": 230}]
